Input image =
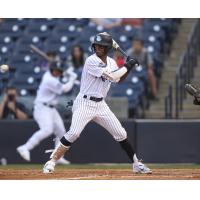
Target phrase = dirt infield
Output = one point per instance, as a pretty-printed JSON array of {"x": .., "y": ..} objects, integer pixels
[{"x": 99, "y": 174}]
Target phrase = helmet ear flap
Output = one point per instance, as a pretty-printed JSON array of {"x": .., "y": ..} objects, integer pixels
[{"x": 92, "y": 48}]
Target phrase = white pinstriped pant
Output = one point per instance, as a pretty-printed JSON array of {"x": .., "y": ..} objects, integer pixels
[{"x": 85, "y": 110}]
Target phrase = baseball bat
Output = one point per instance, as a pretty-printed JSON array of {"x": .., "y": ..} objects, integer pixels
[
  {"x": 118, "y": 48},
  {"x": 41, "y": 53}
]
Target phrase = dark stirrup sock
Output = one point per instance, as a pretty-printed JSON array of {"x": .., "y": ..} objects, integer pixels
[{"x": 126, "y": 146}]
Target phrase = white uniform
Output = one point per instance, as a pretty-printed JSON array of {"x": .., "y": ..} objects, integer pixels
[
  {"x": 94, "y": 84},
  {"x": 90, "y": 105},
  {"x": 45, "y": 113}
]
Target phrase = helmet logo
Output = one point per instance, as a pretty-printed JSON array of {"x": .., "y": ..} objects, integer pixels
[
  {"x": 98, "y": 38},
  {"x": 58, "y": 64}
]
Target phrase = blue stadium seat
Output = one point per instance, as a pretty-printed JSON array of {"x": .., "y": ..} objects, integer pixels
[
  {"x": 134, "y": 83},
  {"x": 127, "y": 30},
  {"x": 65, "y": 21},
  {"x": 22, "y": 22},
  {"x": 25, "y": 82},
  {"x": 29, "y": 70},
  {"x": 71, "y": 31},
  {"x": 50, "y": 22},
  {"x": 139, "y": 72},
  {"x": 6, "y": 48},
  {"x": 41, "y": 30},
  {"x": 80, "y": 22},
  {"x": 4, "y": 59},
  {"x": 77, "y": 22},
  {"x": 61, "y": 49},
  {"x": 4, "y": 77},
  {"x": 59, "y": 38},
  {"x": 13, "y": 30},
  {"x": 126, "y": 90},
  {"x": 5, "y": 39},
  {"x": 21, "y": 58},
  {"x": 30, "y": 39}
]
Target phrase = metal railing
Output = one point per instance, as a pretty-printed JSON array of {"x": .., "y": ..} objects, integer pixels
[
  {"x": 185, "y": 70},
  {"x": 169, "y": 103}
]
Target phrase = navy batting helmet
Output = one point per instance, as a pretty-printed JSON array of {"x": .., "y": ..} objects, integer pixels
[
  {"x": 103, "y": 39},
  {"x": 56, "y": 66}
]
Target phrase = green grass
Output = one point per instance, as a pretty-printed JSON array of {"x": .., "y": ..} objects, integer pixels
[{"x": 102, "y": 166}]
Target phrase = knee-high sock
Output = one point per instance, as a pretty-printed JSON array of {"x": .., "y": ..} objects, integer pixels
[{"x": 126, "y": 146}]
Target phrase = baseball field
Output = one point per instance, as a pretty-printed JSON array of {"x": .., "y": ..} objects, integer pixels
[{"x": 101, "y": 172}]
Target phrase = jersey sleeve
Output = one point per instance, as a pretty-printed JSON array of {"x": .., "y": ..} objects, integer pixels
[{"x": 92, "y": 66}]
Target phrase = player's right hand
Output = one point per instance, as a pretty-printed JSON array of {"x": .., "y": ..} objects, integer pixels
[{"x": 131, "y": 63}]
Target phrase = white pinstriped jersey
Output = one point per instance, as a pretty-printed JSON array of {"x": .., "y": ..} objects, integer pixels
[
  {"x": 49, "y": 89},
  {"x": 92, "y": 82},
  {"x": 85, "y": 110}
]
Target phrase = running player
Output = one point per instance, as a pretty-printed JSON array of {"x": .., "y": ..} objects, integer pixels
[{"x": 45, "y": 113}]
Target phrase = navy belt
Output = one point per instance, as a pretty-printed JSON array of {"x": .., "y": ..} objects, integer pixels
[
  {"x": 49, "y": 105},
  {"x": 93, "y": 98}
]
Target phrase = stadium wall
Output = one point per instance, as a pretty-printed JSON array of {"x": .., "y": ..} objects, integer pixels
[{"x": 156, "y": 141}]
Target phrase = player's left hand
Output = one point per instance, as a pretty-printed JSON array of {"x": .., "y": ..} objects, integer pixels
[{"x": 132, "y": 62}]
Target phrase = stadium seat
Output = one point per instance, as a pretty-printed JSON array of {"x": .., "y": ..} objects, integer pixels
[
  {"x": 22, "y": 22},
  {"x": 71, "y": 31},
  {"x": 13, "y": 30},
  {"x": 139, "y": 72},
  {"x": 126, "y": 90},
  {"x": 41, "y": 30},
  {"x": 50, "y": 22},
  {"x": 4, "y": 77},
  {"x": 30, "y": 39},
  {"x": 25, "y": 82},
  {"x": 5, "y": 39}
]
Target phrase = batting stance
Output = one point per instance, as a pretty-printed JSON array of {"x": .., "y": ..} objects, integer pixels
[
  {"x": 45, "y": 113},
  {"x": 98, "y": 73}
]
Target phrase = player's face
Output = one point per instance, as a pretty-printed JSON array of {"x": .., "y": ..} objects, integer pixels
[
  {"x": 100, "y": 50},
  {"x": 57, "y": 73}
]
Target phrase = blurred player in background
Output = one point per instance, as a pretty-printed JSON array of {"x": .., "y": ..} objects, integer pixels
[
  {"x": 10, "y": 108},
  {"x": 145, "y": 59},
  {"x": 45, "y": 113}
]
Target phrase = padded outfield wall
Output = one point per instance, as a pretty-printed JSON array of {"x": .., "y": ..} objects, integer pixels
[{"x": 156, "y": 141}]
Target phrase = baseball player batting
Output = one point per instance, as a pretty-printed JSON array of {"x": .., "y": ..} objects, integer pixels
[
  {"x": 98, "y": 73},
  {"x": 45, "y": 113}
]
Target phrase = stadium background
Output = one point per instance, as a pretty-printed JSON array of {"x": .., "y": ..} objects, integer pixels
[{"x": 170, "y": 121}]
